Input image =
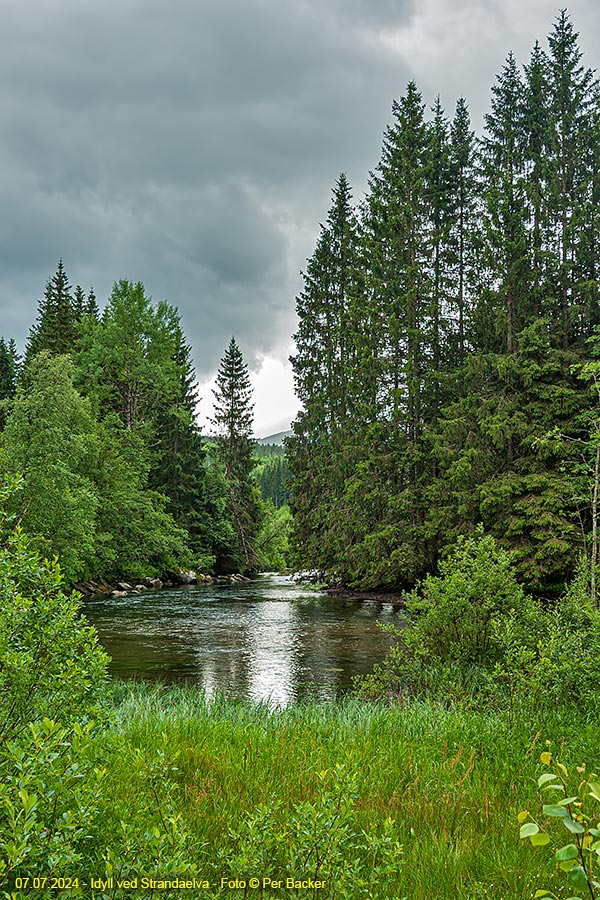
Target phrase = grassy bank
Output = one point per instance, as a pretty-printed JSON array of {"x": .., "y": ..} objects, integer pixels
[{"x": 234, "y": 791}]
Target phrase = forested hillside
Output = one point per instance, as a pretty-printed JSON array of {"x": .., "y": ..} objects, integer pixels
[{"x": 448, "y": 338}]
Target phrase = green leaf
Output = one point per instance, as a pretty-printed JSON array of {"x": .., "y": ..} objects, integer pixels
[
  {"x": 567, "y": 865},
  {"x": 578, "y": 878},
  {"x": 543, "y": 893},
  {"x": 569, "y": 851},
  {"x": 529, "y": 829},
  {"x": 538, "y": 840},
  {"x": 566, "y": 801},
  {"x": 546, "y": 757},
  {"x": 545, "y": 778},
  {"x": 573, "y": 827},
  {"x": 553, "y": 809}
]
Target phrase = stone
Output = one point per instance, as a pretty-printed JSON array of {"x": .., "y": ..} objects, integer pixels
[{"x": 181, "y": 577}]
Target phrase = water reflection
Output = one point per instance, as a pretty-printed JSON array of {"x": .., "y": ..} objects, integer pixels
[{"x": 266, "y": 640}]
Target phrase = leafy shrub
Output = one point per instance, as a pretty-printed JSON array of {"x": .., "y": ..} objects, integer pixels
[
  {"x": 48, "y": 804},
  {"x": 320, "y": 840},
  {"x": 51, "y": 664},
  {"x": 574, "y": 804},
  {"x": 456, "y": 611},
  {"x": 154, "y": 840},
  {"x": 560, "y": 669},
  {"x": 455, "y": 631}
]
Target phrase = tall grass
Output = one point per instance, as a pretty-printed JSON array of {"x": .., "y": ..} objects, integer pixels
[{"x": 452, "y": 779}]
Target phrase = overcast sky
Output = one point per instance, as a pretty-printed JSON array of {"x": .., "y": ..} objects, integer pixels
[{"x": 193, "y": 145}]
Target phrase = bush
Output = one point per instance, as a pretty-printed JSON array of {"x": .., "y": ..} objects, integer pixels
[
  {"x": 573, "y": 802},
  {"x": 455, "y": 634},
  {"x": 457, "y": 611},
  {"x": 48, "y": 805},
  {"x": 320, "y": 841},
  {"x": 51, "y": 664},
  {"x": 562, "y": 667}
]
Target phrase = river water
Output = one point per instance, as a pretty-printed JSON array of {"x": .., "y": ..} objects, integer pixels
[{"x": 266, "y": 640}]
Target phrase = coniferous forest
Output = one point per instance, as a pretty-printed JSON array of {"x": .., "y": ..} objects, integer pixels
[{"x": 448, "y": 344}]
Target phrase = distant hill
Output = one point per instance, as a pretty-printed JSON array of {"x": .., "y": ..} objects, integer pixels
[{"x": 274, "y": 438}]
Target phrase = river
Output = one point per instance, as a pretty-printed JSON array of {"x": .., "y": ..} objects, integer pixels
[{"x": 266, "y": 640}]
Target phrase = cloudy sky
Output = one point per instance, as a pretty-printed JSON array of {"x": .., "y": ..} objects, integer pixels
[{"x": 193, "y": 144}]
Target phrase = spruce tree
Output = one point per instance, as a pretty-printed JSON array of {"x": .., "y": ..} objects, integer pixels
[
  {"x": 440, "y": 191},
  {"x": 573, "y": 117},
  {"x": 9, "y": 370},
  {"x": 233, "y": 420},
  {"x": 328, "y": 382},
  {"x": 178, "y": 459},
  {"x": 505, "y": 215},
  {"x": 55, "y": 328},
  {"x": 9, "y": 363},
  {"x": 78, "y": 302},
  {"x": 91, "y": 306},
  {"x": 464, "y": 187},
  {"x": 537, "y": 140},
  {"x": 399, "y": 292}
]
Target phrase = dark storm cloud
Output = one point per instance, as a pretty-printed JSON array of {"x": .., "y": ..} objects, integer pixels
[{"x": 193, "y": 144}]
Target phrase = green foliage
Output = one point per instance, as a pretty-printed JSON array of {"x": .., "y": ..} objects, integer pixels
[
  {"x": 455, "y": 612},
  {"x": 154, "y": 838},
  {"x": 126, "y": 361},
  {"x": 48, "y": 805},
  {"x": 272, "y": 474},
  {"x": 475, "y": 636},
  {"x": 459, "y": 620},
  {"x": 56, "y": 328},
  {"x": 273, "y": 540},
  {"x": 439, "y": 326},
  {"x": 320, "y": 840},
  {"x": 50, "y": 438},
  {"x": 559, "y": 668},
  {"x": 233, "y": 417},
  {"x": 9, "y": 368},
  {"x": 135, "y": 365},
  {"x": 51, "y": 663},
  {"x": 135, "y": 534},
  {"x": 572, "y": 801}
]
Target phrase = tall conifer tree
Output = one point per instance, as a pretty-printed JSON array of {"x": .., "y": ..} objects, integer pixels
[
  {"x": 329, "y": 381},
  {"x": 573, "y": 120},
  {"x": 233, "y": 419},
  {"x": 55, "y": 329}
]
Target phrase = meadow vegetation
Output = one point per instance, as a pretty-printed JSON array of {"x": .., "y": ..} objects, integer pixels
[{"x": 415, "y": 794}]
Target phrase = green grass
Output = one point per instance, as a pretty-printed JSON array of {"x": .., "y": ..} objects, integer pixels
[{"x": 453, "y": 781}]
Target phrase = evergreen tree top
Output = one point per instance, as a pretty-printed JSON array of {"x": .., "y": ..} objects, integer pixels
[{"x": 233, "y": 416}]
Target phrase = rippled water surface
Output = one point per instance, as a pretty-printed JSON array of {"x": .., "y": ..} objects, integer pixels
[{"x": 268, "y": 639}]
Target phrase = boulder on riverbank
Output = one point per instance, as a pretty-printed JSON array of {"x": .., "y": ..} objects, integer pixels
[
  {"x": 180, "y": 576},
  {"x": 173, "y": 578}
]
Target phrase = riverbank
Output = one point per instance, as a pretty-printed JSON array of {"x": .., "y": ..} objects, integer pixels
[
  {"x": 395, "y": 599},
  {"x": 175, "y": 578},
  {"x": 224, "y": 792}
]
